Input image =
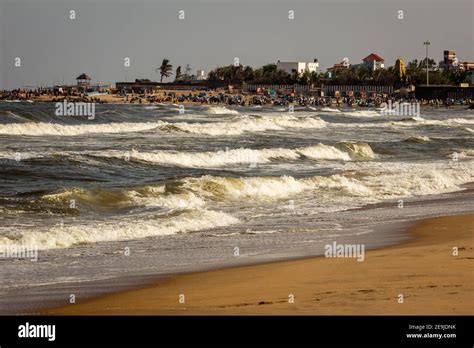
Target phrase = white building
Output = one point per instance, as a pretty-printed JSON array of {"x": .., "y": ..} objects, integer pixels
[
  {"x": 373, "y": 62},
  {"x": 299, "y": 67},
  {"x": 200, "y": 75}
]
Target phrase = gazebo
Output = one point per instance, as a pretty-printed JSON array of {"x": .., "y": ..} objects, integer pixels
[{"x": 83, "y": 80}]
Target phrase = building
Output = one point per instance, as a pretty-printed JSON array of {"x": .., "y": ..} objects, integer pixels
[
  {"x": 444, "y": 92},
  {"x": 373, "y": 62},
  {"x": 83, "y": 81},
  {"x": 298, "y": 67},
  {"x": 139, "y": 86},
  {"x": 449, "y": 58},
  {"x": 470, "y": 77},
  {"x": 466, "y": 66},
  {"x": 200, "y": 75},
  {"x": 337, "y": 66}
]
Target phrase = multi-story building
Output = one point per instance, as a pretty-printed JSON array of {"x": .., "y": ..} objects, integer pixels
[
  {"x": 449, "y": 57},
  {"x": 373, "y": 62},
  {"x": 466, "y": 66},
  {"x": 200, "y": 75},
  {"x": 298, "y": 67}
]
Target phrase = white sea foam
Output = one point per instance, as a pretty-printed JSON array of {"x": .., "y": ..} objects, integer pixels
[
  {"x": 125, "y": 229},
  {"x": 447, "y": 122},
  {"x": 330, "y": 110},
  {"x": 148, "y": 196},
  {"x": 206, "y": 159},
  {"x": 396, "y": 179},
  {"x": 210, "y": 159},
  {"x": 343, "y": 151},
  {"x": 407, "y": 122},
  {"x": 41, "y": 128},
  {"x": 244, "y": 123},
  {"x": 361, "y": 113},
  {"x": 361, "y": 183},
  {"x": 19, "y": 156},
  {"x": 221, "y": 110},
  {"x": 186, "y": 200},
  {"x": 270, "y": 188},
  {"x": 358, "y": 149},
  {"x": 324, "y": 152},
  {"x": 376, "y": 181},
  {"x": 418, "y": 139},
  {"x": 236, "y": 126}
]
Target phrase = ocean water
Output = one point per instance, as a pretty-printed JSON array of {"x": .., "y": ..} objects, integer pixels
[{"x": 145, "y": 190}]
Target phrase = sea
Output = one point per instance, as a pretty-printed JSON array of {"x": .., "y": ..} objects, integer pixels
[{"x": 142, "y": 192}]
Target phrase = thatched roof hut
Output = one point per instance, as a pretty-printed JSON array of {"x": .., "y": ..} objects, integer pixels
[
  {"x": 83, "y": 77},
  {"x": 83, "y": 80}
]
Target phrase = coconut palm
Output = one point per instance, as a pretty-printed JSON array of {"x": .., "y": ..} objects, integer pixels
[
  {"x": 165, "y": 69},
  {"x": 178, "y": 73}
]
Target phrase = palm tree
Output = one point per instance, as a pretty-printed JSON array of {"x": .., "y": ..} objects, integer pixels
[
  {"x": 165, "y": 69},
  {"x": 305, "y": 78},
  {"x": 269, "y": 69},
  {"x": 315, "y": 78},
  {"x": 178, "y": 73},
  {"x": 248, "y": 73}
]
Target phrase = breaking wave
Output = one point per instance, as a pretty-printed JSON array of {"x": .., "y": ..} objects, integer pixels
[
  {"x": 245, "y": 123},
  {"x": 420, "y": 120},
  {"x": 347, "y": 152},
  {"x": 148, "y": 196},
  {"x": 40, "y": 128},
  {"x": 379, "y": 184},
  {"x": 127, "y": 229},
  {"x": 418, "y": 139},
  {"x": 190, "y": 200},
  {"x": 357, "y": 149},
  {"x": 235, "y": 127},
  {"x": 221, "y": 110},
  {"x": 330, "y": 110},
  {"x": 362, "y": 113}
]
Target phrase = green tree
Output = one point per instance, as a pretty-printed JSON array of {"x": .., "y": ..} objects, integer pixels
[
  {"x": 316, "y": 79},
  {"x": 178, "y": 73},
  {"x": 165, "y": 69},
  {"x": 454, "y": 75},
  {"x": 384, "y": 77}
]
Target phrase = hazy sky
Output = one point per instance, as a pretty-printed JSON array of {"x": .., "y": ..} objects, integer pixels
[{"x": 56, "y": 49}]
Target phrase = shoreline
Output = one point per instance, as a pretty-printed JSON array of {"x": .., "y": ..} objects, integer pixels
[
  {"x": 113, "y": 99},
  {"x": 422, "y": 268}
]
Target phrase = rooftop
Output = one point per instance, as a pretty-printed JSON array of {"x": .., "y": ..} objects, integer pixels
[
  {"x": 372, "y": 57},
  {"x": 83, "y": 77}
]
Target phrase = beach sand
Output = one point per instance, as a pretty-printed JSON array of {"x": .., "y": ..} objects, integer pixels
[
  {"x": 115, "y": 99},
  {"x": 423, "y": 270}
]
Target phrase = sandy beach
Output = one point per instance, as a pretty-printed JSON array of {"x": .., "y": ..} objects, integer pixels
[
  {"x": 424, "y": 270},
  {"x": 117, "y": 99}
]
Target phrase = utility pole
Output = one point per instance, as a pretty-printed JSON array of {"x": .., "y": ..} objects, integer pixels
[{"x": 427, "y": 43}]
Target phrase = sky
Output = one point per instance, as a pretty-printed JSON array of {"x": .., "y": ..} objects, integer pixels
[{"x": 55, "y": 49}]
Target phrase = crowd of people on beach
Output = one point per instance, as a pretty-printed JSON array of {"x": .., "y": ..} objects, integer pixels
[
  {"x": 222, "y": 98},
  {"x": 52, "y": 95},
  {"x": 300, "y": 100}
]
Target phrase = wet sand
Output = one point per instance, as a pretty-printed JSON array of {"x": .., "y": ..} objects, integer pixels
[{"x": 424, "y": 270}]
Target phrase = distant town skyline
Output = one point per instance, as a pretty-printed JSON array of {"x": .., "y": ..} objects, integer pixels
[{"x": 55, "y": 48}]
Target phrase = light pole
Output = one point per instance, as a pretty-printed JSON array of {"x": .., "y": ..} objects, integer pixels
[{"x": 427, "y": 43}]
